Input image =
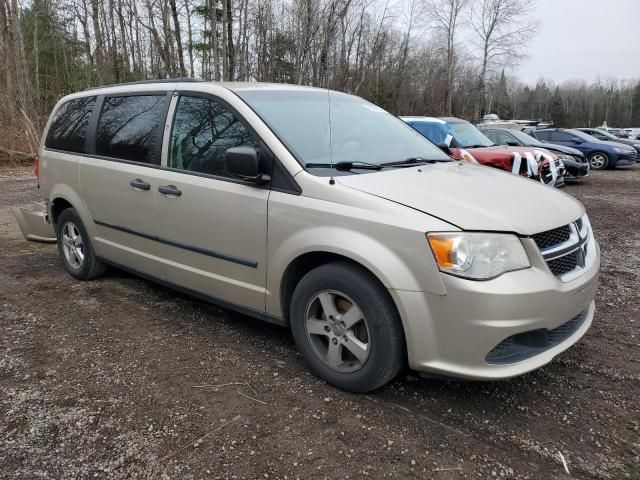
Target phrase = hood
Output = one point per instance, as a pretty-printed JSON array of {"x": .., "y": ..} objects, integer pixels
[
  {"x": 472, "y": 197},
  {"x": 553, "y": 147},
  {"x": 503, "y": 150},
  {"x": 627, "y": 141},
  {"x": 622, "y": 141}
]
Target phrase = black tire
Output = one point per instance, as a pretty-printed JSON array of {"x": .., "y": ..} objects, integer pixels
[
  {"x": 90, "y": 267},
  {"x": 385, "y": 336},
  {"x": 599, "y": 161}
]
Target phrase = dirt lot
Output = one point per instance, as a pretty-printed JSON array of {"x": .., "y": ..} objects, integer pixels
[{"x": 100, "y": 380}]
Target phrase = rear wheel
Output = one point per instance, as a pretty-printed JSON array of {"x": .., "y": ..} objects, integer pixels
[
  {"x": 347, "y": 328},
  {"x": 75, "y": 247},
  {"x": 599, "y": 161}
]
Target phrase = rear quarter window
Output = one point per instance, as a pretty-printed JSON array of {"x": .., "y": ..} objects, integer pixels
[
  {"x": 129, "y": 128},
  {"x": 68, "y": 128}
]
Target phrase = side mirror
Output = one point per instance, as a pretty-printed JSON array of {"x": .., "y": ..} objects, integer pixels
[
  {"x": 513, "y": 143},
  {"x": 243, "y": 163},
  {"x": 445, "y": 148},
  {"x": 576, "y": 140}
]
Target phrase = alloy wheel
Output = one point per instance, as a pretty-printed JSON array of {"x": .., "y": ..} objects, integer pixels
[
  {"x": 72, "y": 245},
  {"x": 598, "y": 161},
  {"x": 337, "y": 331}
]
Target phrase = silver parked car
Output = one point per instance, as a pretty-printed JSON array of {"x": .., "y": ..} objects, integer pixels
[{"x": 320, "y": 211}]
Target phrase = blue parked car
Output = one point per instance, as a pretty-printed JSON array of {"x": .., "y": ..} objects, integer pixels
[{"x": 601, "y": 154}]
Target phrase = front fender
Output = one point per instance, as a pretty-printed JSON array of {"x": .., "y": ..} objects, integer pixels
[{"x": 387, "y": 265}]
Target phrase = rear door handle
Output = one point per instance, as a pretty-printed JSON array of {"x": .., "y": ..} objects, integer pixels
[
  {"x": 140, "y": 184},
  {"x": 170, "y": 190}
]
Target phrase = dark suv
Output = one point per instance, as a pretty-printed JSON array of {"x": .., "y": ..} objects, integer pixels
[
  {"x": 601, "y": 154},
  {"x": 574, "y": 160}
]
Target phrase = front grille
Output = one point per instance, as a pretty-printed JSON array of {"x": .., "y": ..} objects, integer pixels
[
  {"x": 553, "y": 237},
  {"x": 562, "y": 265},
  {"x": 525, "y": 345},
  {"x": 547, "y": 177},
  {"x": 564, "y": 248}
]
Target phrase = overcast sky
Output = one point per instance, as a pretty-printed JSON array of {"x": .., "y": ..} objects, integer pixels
[{"x": 579, "y": 39}]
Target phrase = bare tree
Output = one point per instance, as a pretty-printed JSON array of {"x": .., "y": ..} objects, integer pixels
[
  {"x": 445, "y": 16},
  {"x": 502, "y": 29}
]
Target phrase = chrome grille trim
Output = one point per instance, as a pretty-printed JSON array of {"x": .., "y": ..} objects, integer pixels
[{"x": 570, "y": 258}]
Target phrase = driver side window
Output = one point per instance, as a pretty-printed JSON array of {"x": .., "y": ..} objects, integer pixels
[{"x": 203, "y": 130}]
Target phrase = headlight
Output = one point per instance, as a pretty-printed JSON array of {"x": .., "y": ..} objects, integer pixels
[
  {"x": 622, "y": 150},
  {"x": 478, "y": 256},
  {"x": 567, "y": 158},
  {"x": 636, "y": 145}
]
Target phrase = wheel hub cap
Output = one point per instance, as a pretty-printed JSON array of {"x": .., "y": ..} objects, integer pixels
[{"x": 337, "y": 329}]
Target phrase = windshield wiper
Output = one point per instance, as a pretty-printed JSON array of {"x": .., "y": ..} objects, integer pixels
[
  {"x": 410, "y": 162},
  {"x": 346, "y": 166}
]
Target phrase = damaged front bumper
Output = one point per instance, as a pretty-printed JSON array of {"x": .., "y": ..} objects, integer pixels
[{"x": 34, "y": 224}]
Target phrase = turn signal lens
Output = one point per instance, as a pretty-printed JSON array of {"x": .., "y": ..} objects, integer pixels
[{"x": 442, "y": 250}]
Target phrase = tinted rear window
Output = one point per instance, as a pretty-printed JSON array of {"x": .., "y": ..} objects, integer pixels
[
  {"x": 69, "y": 125},
  {"x": 129, "y": 128}
]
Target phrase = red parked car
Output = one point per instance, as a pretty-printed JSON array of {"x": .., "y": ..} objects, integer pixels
[{"x": 465, "y": 142}]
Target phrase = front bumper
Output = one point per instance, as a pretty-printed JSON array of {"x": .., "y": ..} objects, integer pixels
[
  {"x": 575, "y": 169},
  {"x": 453, "y": 334},
  {"x": 627, "y": 159}
]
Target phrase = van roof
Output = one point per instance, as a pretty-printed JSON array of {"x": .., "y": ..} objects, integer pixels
[{"x": 227, "y": 85}]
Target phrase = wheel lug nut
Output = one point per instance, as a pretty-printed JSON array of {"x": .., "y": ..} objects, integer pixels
[
  {"x": 345, "y": 338},
  {"x": 327, "y": 329},
  {"x": 334, "y": 341},
  {"x": 343, "y": 324}
]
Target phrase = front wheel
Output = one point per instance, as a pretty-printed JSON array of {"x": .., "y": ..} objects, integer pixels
[
  {"x": 347, "y": 327},
  {"x": 599, "y": 161}
]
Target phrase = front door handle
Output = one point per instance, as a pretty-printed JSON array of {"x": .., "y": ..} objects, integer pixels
[
  {"x": 140, "y": 184},
  {"x": 170, "y": 190}
]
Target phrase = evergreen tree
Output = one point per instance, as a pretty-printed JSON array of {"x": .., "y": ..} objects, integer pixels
[
  {"x": 502, "y": 105},
  {"x": 557, "y": 110},
  {"x": 635, "y": 107}
]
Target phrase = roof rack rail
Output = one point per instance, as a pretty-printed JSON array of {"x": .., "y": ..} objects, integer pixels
[{"x": 143, "y": 82}]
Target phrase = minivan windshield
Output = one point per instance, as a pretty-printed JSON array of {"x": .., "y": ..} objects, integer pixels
[{"x": 323, "y": 127}]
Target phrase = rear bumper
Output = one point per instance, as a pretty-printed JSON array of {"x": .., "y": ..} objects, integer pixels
[
  {"x": 454, "y": 334},
  {"x": 33, "y": 223}
]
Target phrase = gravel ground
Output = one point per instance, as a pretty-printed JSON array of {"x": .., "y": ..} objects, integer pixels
[{"x": 120, "y": 378}]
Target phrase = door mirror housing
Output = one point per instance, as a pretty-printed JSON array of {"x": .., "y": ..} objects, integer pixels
[
  {"x": 244, "y": 163},
  {"x": 513, "y": 143},
  {"x": 445, "y": 148},
  {"x": 576, "y": 140}
]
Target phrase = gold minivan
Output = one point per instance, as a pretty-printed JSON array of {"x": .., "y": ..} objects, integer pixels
[{"x": 322, "y": 212}]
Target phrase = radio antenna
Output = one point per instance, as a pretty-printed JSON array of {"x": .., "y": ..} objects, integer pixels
[{"x": 331, "y": 180}]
